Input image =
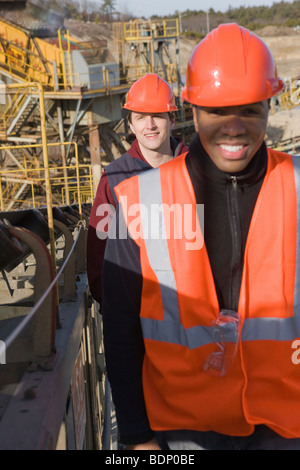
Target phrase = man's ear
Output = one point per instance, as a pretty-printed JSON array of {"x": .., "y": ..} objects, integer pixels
[
  {"x": 195, "y": 118},
  {"x": 131, "y": 128}
]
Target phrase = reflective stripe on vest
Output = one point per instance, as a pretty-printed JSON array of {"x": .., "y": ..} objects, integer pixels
[{"x": 170, "y": 330}]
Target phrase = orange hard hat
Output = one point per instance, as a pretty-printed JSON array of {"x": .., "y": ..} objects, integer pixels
[
  {"x": 231, "y": 66},
  {"x": 150, "y": 94}
]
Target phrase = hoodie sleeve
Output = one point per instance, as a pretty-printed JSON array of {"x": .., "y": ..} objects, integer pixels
[
  {"x": 123, "y": 339},
  {"x": 96, "y": 245}
]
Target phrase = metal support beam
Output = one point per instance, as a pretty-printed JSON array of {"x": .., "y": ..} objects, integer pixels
[
  {"x": 95, "y": 152},
  {"x": 80, "y": 248},
  {"x": 69, "y": 286},
  {"x": 11, "y": 204},
  {"x": 71, "y": 130},
  {"x": 44, "y": 319},
  {"x": 63, "y": 150},
  {"x": 20, "y": 114}
]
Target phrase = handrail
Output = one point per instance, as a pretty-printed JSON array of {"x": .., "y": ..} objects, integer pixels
[
  {"x": 148, "y": 29},
  {"x": 39, "y": 89},
  {"x": 6, "y": 343},
  {"x": 48, "y": 168}
]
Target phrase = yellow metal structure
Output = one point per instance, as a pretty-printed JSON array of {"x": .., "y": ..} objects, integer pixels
[
  {"x": 63, "y": 87},
  {"x": 52, "y": 69},
  {"x": 39, "y": 89},
  {"x": 26, "y": 57},
  {"x": 72, "y": 184},
  {"x": 290, "y": 97},
  {"x": 143, "y": 47},
  {"x": 138, "y": 30},
  {"x": 47, "y": 61}
]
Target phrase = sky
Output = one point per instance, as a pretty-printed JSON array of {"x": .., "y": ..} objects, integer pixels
[{"x": 148, "y": 8}]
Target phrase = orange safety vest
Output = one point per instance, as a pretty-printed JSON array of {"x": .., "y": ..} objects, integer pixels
[{"x": 179, "y": 305}]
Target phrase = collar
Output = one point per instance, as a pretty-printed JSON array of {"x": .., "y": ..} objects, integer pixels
[{"x": 135, "y": 151}]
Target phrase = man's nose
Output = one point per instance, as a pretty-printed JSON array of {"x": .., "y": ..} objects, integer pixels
[
  {"x": 150, "y": 123},
  {"x": 233, "y": 125}
]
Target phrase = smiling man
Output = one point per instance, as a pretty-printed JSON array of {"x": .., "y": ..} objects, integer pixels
[
  {"x": 232, "y": 135},
  {"x": 151, "y": 113},
  {"x": 152, "y": 131},
  {"x": 198, "y": 343}
]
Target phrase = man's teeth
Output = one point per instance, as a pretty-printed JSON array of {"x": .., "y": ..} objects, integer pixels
[{"x": 232, "y": 148}]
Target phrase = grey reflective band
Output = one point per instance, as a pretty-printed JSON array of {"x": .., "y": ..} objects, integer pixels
[
  {"x": 174, "y": 332},
  {"x": 170, "y": 330},
  {"x": 271, "y": 328},
  {"x": 157, "y": 249}
]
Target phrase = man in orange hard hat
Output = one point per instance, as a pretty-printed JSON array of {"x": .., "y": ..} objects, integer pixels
[
  {"x": 202, "y": 331},
  {"x": 151, "y": 110}
]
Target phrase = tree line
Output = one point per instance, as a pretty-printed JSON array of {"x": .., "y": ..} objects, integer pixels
[{"x": 193, "y": 22}]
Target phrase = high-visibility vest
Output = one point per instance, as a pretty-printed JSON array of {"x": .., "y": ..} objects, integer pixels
[{"x": 179, "y": 307}]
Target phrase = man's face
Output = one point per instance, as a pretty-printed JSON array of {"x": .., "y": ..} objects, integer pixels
[
  {"x": 232, "y": 135},
  {"x": 152, "y": 130}
]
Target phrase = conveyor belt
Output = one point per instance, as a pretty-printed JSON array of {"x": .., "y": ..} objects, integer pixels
[{"x": 12, "y": 251}]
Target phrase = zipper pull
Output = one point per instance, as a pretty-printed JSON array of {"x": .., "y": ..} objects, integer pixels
[{"x": 234, "y": 182}]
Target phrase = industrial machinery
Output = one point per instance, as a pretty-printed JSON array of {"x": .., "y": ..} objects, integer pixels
[
  {"x": 144, "y": 46},
  {"x": 75, "y": 88},
  {"x": 53, "y": 389},
  {"x": 289, "y": 98},
  {"x": 54, "y": 92}
]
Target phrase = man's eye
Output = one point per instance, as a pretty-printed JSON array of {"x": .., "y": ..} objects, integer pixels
[
  {"x": 218, "y": 111},
  {"x": 251, "y": 111}
]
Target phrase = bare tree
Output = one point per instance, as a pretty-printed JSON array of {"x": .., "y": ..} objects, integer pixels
[{"x": 107, "y": 8}]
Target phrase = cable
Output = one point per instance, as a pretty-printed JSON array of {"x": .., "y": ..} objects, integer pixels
[{"x": 28, "y": 317}]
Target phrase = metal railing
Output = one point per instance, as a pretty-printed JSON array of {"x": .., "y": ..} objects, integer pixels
[
  {"x": 69, "y": 184},
  {"x": 140, "y": 30},
  {"x": 18, "y": 330}
]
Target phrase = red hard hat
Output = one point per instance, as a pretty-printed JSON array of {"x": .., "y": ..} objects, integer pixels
[
  {"x": 150, "y": 94},
  {"x": 231, "y": 66}
]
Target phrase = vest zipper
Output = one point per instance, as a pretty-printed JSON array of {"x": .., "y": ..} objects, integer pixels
[
  {"x": 236, "y": 262},
  {"x": 234, "y": 182}
]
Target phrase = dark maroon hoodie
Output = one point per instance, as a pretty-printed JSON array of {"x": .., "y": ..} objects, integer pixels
[{"x": 129, "y": 164}]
